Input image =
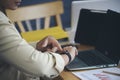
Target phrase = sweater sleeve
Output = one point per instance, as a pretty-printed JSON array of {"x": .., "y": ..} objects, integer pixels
[{"x": 18, "y": 53}]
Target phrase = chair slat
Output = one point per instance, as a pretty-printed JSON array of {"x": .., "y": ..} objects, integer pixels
[
  {"x": 21, "y": 26},
  {"x": 28, "y": 25},
  {"x": 38, "y": 24},
  {"x": 58, "y": 18},
  {"x": 47, "y": 22}
]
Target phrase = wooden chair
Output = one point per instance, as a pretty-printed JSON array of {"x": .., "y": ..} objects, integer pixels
[{"x": 36, "y": 12}]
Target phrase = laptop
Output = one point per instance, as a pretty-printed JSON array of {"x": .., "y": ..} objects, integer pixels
[
  {"x": 89, "y": 4},
  {"x": 98, "y": 28}
]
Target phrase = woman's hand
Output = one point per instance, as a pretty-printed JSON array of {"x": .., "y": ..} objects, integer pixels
[
  {"x": 49, "y": 43},
  {"x": 72, "y": 51}
]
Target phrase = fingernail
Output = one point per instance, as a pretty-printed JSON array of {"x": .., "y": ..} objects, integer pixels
[
  {"x": 54, "y": 49},
  {"x": 43, "y": 45}
]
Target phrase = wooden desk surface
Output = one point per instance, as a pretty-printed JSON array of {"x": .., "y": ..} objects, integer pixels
[{"x": 67, "y": 75}]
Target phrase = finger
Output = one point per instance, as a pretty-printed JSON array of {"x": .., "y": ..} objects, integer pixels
[
  {"x": 56, "y": 44},
  {"x": 45, "y": 42},
  {"x": 59, "y": 47},
  {"x": 54, "y": 49},
  {"x": 76, "y": 51}
]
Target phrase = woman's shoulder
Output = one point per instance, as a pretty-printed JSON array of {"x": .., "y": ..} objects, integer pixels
[{"x": 3, "y": 17}]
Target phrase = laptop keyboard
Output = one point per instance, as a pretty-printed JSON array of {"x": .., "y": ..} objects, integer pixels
[{"x": 91, "y": 58}]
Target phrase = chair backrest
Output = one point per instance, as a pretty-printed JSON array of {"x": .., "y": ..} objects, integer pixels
[
  {"x": 38, "y": 11},
  {"x": 45, "y": 10}
]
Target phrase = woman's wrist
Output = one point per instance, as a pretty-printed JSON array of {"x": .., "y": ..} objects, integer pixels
[
  {"x": 68, "y": 55},
  {"x": 66, "y": 59}
]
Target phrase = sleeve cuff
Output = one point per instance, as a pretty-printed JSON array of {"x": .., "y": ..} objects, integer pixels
[
  {"x": 60, "y": 63},
  {"x": 33, "y": 44}
]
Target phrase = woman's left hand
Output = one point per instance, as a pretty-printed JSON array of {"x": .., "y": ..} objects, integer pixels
[{"x": 49, "y": 43}]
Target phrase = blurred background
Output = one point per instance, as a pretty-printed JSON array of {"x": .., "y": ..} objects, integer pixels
[{"x": 66, "y": 17}]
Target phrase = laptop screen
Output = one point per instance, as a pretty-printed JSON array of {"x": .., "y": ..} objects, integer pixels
[
  {"x": 100, "y": 29},
  {"x": 89, "y": 25},
  {"x": 108, "y": 41}
]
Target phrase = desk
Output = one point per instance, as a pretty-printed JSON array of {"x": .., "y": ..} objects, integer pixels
[{"x": 67, "y": 75}]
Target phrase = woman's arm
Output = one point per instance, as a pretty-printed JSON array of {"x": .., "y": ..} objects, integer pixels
[{"x": 17, "y": 52}]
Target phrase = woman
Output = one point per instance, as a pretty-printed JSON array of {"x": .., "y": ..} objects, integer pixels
[{"x": 20, "y": 60}]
